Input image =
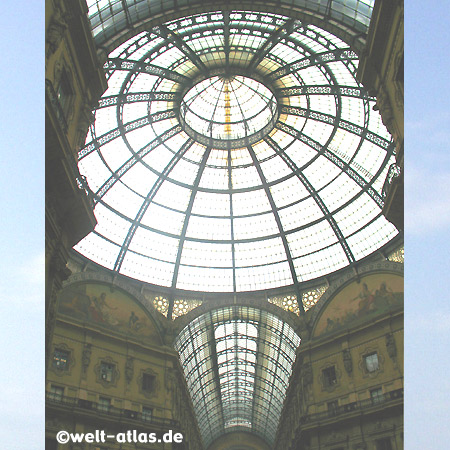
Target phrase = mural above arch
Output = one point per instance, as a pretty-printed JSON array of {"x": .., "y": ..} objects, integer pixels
[
  {"x": 114, "y": 309},
  {"x": 356, "y": 303}
]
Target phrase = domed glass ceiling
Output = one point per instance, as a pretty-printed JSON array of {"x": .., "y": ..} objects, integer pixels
[
  {"x": 234, "y": 152},
  {"x": 228, "y": 107}
]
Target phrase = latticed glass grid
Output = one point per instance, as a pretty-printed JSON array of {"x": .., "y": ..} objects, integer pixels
[
  {"x": 229, "y": 107},
  {"x": 110, "y": 17},
  {"x": 237, "y": 361},
  {"x": 300, "y": 200}
]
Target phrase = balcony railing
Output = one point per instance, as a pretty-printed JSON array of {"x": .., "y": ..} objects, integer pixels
[
  {"x": 87, "y": 405},
  {"x": 355, "y": 406}
]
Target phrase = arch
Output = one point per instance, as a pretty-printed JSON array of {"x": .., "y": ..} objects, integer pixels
[
  {"x": 337, "y": 287},
  {"x": 237, "y": 362},
  {"x": 114, "y": 283},
  {"x": 292, "y": 319}
]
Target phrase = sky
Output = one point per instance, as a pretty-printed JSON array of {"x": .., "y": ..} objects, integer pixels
[{"x": 427, "y": 225}]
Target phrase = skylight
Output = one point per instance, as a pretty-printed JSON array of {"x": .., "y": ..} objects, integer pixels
[
  {"x": 228, "y": 107},
  {"x": 235, "y": 152},
  {"x": 237, "y": 362}
]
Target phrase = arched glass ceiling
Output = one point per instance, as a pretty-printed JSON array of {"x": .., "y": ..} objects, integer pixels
[
  {"x": 294, "y": 201},
  {"x": 110, "y": 18},
  {"x": 237, "y": 362}
]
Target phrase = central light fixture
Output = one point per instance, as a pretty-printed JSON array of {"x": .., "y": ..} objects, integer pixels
[{"x": 229, "y": 108}]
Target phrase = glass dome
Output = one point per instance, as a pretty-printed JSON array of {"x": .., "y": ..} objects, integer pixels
[
  {"x": 235, "y": 152},
  {"x": 228, "y": 107}
]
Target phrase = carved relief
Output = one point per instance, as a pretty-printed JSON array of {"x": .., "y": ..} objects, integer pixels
[
  {"x": 86, "y": 117},
  {"x": 86, "y": 357},
  {"x": 391, "y": 347},
  {"x": 129, "y": 370},
  {"x": 386, "y": 112},
  {"x": 348, "y": 363},
  {"x": 55, "y": 32}
]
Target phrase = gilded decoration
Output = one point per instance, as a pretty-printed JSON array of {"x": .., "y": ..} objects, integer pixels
[{"x": 357, "y": 303}]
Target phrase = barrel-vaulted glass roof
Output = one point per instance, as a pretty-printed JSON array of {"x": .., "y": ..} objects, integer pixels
[
  {"x": 234, "y": 151},
  {"x": 237, "y": 361}
]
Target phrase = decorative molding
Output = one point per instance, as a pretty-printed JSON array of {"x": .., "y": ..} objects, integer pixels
[{"x": 56, "y": 30}]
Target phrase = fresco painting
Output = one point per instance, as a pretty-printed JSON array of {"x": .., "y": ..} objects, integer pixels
[
  {"x": 96, "y": 303},
  {"x": 359, "y": 302}
]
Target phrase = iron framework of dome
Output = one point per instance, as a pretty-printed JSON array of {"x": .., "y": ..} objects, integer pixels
[{"x": 231, "y": 199}]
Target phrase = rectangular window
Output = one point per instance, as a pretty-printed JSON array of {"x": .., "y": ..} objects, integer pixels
[
  {"x": 383, "y": 444},
  {"x": 104, "y": 404},
  {"x": 56, "y": 393},
  {"x": 107, "y": 371},
  {"x": 376, "y": 395},
  {"x": 329, "y": 376},
  {"x": 61, "y": 359},
  {"x": 147, "y": 413},
  {"x": 148, "y": 382},
  {"x": 371, "y": 362}
]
